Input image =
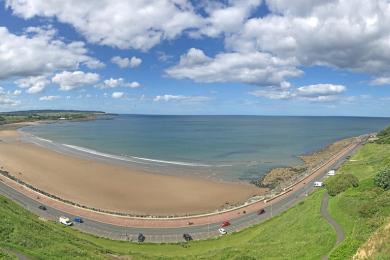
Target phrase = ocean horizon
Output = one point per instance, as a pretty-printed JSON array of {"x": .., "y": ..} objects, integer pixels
[{"x": 225, "y": 147}]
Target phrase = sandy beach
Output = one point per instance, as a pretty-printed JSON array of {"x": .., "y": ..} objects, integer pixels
[{"x": 113, "y": 187}]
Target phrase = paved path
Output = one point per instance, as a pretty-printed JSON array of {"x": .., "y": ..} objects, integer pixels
[
  {"x": 324, "y": 212},
  {"x": 169, "y": 230}
]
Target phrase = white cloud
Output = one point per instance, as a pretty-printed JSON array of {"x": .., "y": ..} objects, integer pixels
[
  {"x": 313, "y": 93},
  {"x": 33, "y": 84},
  {"x": 380, "y": 81},
  {"x": 48, "y": 98},
  {"x": 320, "y": 90},
  {"x": 112, "y": 83},
  {"x": 181, "y": 98},
  {"x": 95, "y": 64},
  {"x": 252, "y": 68},
  {"x": 225, "y": 17},
  {"x": 37, "y": 52},
  {"x": 17, "y": 92},
  {"x": 118, "y": 82},
  {"x": 330, "y": 33},
  {"x": 133, "y": 62},
  {"x": 299, "y": 7},
  {"x": 275, "y": 94},
  {"x": 77, "y": 79},
  {"x": 134, "y": 84},
  {"x": 118, "y": 95},
  {"x": 6, "y": 100},
  {"x": 138, "y": 24}
]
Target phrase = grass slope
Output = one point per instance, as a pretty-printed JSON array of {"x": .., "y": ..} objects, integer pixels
[
  {"x": 361, "y": 211},
  {"x": 299, "y": 233}
]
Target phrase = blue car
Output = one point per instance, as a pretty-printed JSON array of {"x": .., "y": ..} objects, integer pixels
[{"x": 78, "y": 220}]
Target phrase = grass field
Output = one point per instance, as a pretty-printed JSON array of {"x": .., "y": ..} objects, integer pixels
[
  {"x": 361, "y": 211},
  {"x": 299, "y": 233}
]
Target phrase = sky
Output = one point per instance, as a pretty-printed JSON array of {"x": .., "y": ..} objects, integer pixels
[{"x": 234, "y": 57}]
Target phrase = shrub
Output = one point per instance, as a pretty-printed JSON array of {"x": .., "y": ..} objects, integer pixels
[
  {"x": 382, "y": 179},
  {"x": 341, "y": 183},
  {"x": 384, "y": 136}
]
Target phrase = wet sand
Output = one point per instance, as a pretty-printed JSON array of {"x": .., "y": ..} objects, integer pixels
[{"x": 113, "y": 187}]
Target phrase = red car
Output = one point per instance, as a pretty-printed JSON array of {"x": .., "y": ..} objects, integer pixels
[{"x": 225, "y": 224}]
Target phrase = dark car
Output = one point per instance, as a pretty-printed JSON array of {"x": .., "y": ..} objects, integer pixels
[
  {"x": 41, "y": 207},
  {"x": 225, "y": 224},
  {"x": 187, "y": 237},
  {"x": 78, "y": 220},
  {"x": 141, "y": 238},
  {"x": 261, "y": 211}
]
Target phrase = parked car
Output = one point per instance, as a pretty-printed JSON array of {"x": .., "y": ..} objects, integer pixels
[
  {"x": 261, "y": 211},
  {"x": 222, "y": 231},
  {"x": 141, "y": 238},
  {"x": 187, "y": 237},
  {"x": 225, "y": 224},
  {"x": 41, "y": 207},
  {"x": 65, "y": 221},
  {"x": 78, "y": 220}
]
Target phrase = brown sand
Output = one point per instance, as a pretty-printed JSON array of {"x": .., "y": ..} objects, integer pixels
[{"x": 116, "y": 188}]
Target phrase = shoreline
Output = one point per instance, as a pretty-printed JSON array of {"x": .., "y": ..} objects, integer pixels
[
  {"x": 198, "y": 220},
  {"x": 250, "y": 194},
  {"x": 280, "y": 176},
  {"x": 115, "y": 188}
]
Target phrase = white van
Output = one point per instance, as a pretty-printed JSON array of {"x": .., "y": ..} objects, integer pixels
[
  {"x": 65, "y": 221},
  {"x": 318, "y": 184},
  {"x": 331, "y": 173}
]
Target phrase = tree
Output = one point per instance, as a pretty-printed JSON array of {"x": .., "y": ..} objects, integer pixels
[
  {"x": 341, "y": 183},
  {"x": 382, "y": 179}
]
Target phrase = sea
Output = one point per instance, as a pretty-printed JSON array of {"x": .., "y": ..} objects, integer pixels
[{"x": 231, "y": 148}]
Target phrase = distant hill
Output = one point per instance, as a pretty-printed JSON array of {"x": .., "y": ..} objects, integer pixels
[
  {"x": 37, "y": 115},
  {"x": 48, "y": 111}
]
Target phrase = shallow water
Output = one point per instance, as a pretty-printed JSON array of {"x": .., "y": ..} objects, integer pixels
[{"x": 223, "y": 147}]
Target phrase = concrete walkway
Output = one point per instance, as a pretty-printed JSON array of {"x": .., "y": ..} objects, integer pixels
[{"x": 324, "y": 212}]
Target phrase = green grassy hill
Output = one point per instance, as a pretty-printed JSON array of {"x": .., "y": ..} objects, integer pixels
[
  {"x": 36, "y": 115},
  {"x": 298, "y": 233}
]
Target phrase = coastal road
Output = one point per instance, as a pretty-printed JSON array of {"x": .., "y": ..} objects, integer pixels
[{"x": 175, "y": 234}]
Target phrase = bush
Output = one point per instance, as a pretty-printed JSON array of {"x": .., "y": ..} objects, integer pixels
[
  {"x": 384, "y": 136},
  {"x": 341, "y": 183},
  {"x": 382, "y": 179}
]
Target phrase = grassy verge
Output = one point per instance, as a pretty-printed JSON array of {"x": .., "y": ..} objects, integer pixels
[
  {"x": 299, "y": 233},
  {"x": 4, "y": 255},
  {"x": 361, "y": 211},
  {"x": 25, "y": 233}
]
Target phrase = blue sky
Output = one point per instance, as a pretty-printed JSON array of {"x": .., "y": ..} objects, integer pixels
[{"x": 197, "y": 57}]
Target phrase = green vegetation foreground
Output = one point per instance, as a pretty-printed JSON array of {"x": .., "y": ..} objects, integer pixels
[{"x": 298, "y": 233}]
